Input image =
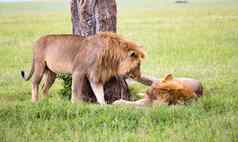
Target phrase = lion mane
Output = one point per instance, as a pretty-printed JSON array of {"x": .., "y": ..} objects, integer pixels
[
  {"x": 171, "y": 91},
  {"x": 116, "y": 50}
]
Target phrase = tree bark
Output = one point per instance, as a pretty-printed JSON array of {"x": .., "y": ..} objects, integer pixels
[{"x": 88, "y": 18}]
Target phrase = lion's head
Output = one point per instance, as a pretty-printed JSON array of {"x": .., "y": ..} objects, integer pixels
[
  {"x": 171, "y": 90},
  {"x": 168, "y": 85},
  {"x": 130, "y": 64},
  {"x": 120, "y": 57}
]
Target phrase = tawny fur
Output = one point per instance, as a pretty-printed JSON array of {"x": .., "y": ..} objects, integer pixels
[
  {"x": 113, "y": 56},
  {"x": 169, "y": 91},
  {"x": 95, "y": 58}
]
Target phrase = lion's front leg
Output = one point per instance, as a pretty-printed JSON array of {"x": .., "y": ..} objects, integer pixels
[
  {"x": 78, "y": 80},
  {"x": 139, "y": 103},
  {"x": 98, "y": 91}
]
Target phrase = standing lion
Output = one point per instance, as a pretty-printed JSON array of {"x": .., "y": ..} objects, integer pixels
[{"x": 95, "y": 58}]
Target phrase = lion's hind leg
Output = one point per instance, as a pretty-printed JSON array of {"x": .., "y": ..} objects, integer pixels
[
  {"x": 36, "y": 79},
  {"x": 48, "y": 81}
]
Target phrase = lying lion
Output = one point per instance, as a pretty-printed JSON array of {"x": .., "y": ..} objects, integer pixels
[
  {"x": 169, "y": 91},
  {"x": 95, "y": 58}
]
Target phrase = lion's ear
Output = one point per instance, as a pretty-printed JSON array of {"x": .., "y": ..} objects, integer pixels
[{"x": 168, "y": 77}]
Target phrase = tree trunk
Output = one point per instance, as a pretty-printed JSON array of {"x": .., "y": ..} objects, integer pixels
[{"x": 88, "y": 18}]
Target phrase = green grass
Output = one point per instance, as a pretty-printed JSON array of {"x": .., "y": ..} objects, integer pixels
[{"x": 197, "y": 40}]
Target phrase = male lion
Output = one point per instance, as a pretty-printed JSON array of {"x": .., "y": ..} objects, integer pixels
[
  {"x": 169, "y": 91},
  {"x": 95, "y": 58}
]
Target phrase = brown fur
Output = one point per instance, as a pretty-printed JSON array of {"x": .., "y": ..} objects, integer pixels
[
  {"x": 95, "y": 58},
  {"x": 169, "y": 91}
]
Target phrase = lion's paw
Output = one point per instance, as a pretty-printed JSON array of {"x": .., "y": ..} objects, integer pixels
[{"x": 119, "y": 102}]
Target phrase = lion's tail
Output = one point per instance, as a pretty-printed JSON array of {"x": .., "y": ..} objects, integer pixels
[{"x": 27, "y": 77}]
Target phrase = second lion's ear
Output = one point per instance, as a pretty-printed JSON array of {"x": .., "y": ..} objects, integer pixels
[{"x": 168, "y": 77}]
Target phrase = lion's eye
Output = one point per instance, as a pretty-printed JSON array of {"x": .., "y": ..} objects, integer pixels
[{"x": 132, "y": 54}]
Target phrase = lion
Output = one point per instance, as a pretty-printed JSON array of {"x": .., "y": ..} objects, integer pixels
[
  {"x": 95, "y": 58},
  {"x": 169, "y": 91}
]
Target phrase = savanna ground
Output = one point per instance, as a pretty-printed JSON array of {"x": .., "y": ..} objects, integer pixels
[{"x": 198, "y": 39}]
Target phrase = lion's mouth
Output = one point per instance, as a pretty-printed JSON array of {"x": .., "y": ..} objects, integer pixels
[
  {"x": 129, "y": 76},
  {"x": 134, "y": 76}
]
